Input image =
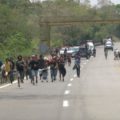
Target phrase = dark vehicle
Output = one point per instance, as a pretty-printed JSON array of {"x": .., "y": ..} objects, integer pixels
[
  {"x": 84, "y": 52},
  {"x": 75, "y": 50}
]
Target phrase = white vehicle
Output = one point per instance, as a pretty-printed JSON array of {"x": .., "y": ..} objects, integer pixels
[
  {"x": 90, "y": 47},
  {"x": 109, "y": 45},
  {"x": 73, "y": 50},
  {"x": 62, "y": 50},
  {"x": 70, "y": 50}
]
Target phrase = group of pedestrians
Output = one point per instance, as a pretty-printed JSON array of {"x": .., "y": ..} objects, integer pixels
[
  {"x": 116, "y": 54},
  {"x": 33, "y": 68},
  {"x": 37, "y": 68}
]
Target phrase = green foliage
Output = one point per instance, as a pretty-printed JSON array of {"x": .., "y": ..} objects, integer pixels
[
  {"x": 18, "y": 44},
  {"x": 20, "y": 30}
]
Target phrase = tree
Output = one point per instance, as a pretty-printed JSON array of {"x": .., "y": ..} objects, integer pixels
[{"x": 17, "y": 44}]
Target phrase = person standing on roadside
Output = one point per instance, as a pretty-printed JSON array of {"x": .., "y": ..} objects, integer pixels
[{"x": 20, "y": 69}]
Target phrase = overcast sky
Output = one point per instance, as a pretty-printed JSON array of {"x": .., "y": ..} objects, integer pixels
[
  {"x": 93, "y": 2},
  {"x": 113, "y": 1}
]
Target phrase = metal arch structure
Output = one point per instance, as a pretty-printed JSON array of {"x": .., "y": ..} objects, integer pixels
[
  {"x": 55, "y": 21},
  {"x": 47, "y": 22}
]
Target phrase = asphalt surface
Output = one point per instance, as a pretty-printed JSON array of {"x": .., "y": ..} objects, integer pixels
[{"x": 93, "y": 96}]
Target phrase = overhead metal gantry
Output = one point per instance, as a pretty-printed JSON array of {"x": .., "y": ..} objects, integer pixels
[
  {"x": 55, "y": 21},
  {"x": 46, "y": 23}
]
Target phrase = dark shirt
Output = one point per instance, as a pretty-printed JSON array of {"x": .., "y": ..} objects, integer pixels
[
  {"x": 34, "y": 65},
  {"x": 53, "y": 66},
  {"x": 41, "y": 63},
  {"x": 1, "y": 63},
  {"x": 20, "y": 65},
  {"x": 12, "y": 65}
]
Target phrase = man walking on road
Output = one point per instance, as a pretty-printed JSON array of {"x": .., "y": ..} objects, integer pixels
[
  {"x": 34, "y": 69},
  {"x": 20, "y": 70},
  {"x": 77, "y": 64},
  {"x": 41, "y": 63}
]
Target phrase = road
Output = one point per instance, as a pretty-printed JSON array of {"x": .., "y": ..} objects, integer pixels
[{"x": 93, "y": 96}]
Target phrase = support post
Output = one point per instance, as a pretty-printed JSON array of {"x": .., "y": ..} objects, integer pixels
[{"x": 44, "y": 38}]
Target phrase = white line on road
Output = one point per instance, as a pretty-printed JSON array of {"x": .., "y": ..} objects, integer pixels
[
  {"x": 7, "y": 85},
  {"x": 65, "y": 103},
  {"x": 75, "y": 75},
  {"x": 69, "y": 85},
  {"x": 15, "y": 82},
  {"x": 67, "y": 92},
  {"x": 85, "y": 63},
  {"x": 71, "y": 79}
]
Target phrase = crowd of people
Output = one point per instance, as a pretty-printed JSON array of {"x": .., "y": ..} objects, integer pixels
[{"x": 36, "y": 68}]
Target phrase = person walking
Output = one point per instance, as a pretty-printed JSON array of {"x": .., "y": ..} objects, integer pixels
[
  {"x": 34, "y": 66},
  {"x": 7, "y": 69},
  {"x": 61, "y": 68},
  {"x": 53, "y": 68},
  {"x": 106, "y": 53},
  {"x": 41, "y": 63},
  {"x": 20, "y": 70},
  {"x": 12, "y": 67},
  {"x": 77, "y": 64}
]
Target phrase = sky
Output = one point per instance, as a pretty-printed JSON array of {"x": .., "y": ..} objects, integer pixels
[{"x": 93, "y": 2}]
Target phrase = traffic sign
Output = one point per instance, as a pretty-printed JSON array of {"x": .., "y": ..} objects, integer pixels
[{"x": 43, "y": 48}]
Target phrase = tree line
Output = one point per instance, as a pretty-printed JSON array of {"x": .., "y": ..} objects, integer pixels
[{"x": 20, "y": 29}]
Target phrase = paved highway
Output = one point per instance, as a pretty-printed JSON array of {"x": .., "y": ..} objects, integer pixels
[{"x": 94, "y": 96}]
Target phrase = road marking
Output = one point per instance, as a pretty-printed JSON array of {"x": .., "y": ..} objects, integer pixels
[
  {"x": 15, "y": 82},
  {"x": 65, "y": 103},
  {"x": 67, "y": 92},
  {"x": 71, "y": 79},
  {"x": 85, "y": 63},
  {"x": 69, "y": 85},
  {"x": 75, "y": 75},
  {"x": 3, "y": 86}
]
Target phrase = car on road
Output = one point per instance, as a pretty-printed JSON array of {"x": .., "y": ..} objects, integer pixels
[
  {"x": 62, "y": 50},
  {"x": 73, "y": 50},
  {"x": 70, "y": 50},
  {"x": 109, "y": 45},
  {"x": 84, "y": 52}
]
